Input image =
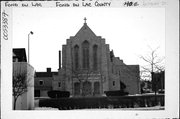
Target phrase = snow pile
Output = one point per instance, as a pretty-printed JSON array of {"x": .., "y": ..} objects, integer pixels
[{"x": 45, "y": 108}]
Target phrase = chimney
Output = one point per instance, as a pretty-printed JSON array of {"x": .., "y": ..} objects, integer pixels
[
  {"x": 49, "y": 70},
  {"x": 59, "y": 60}
]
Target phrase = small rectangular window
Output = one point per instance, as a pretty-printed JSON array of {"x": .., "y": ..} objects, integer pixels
[
  {"x": 59, "y": 84},
  {"x": 41, "y": 82}
]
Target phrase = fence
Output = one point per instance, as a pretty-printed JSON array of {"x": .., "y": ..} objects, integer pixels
[{"x": 103, "y": 102}]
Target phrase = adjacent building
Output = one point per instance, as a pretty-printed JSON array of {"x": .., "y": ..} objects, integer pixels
[
  {"x": 43, "y": 82},
  {"x": 158, "y": 81},
  {"x": 23, "y": 80}
]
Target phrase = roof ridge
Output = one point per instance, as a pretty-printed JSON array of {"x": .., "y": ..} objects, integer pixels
[{"x": 85, "y": 27}]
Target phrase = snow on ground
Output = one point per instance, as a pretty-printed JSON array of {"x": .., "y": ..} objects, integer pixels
[
  {"x": 45, "y": 108},
  {"x": 139, "y": 108}
]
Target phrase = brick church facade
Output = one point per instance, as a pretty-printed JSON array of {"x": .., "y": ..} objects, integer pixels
[{"x": 89, "y": 67}]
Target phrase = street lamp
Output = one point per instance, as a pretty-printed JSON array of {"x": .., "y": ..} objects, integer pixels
[{"x": 30, "y": 33}]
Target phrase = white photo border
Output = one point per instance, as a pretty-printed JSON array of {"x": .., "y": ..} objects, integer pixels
[{"x": 171, "y": 75}]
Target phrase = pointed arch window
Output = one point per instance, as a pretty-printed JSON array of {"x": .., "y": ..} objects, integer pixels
[
  {"x": 95, "y": 47},
  {"x": 85, "y": 54},
  {"x": 76, "y": 56}
]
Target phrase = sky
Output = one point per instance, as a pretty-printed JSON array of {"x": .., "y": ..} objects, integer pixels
[{"x": 130, "y": 32}]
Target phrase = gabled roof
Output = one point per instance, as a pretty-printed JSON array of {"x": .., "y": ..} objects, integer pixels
[
  {"x": 45, "y": 74},
  {"x": 85, "y": 30},
  {"x": 48, "y": 73}
]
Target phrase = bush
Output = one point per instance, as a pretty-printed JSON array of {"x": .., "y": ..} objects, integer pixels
[
  {"x": 116, "y": 93},
  {"x": 58, "y": 94},
  {"x": 101, "y": 102}
]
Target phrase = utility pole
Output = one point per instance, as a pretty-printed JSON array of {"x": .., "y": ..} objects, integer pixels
[{"x": 30, "y": 33}]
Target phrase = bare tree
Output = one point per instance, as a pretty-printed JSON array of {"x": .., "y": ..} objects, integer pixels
[
  {"x": 20, "y": 85},
  {"x": 154, "y": 64}
]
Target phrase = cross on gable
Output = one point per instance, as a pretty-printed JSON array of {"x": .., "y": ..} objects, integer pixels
[{"x": 85, "y": 20}]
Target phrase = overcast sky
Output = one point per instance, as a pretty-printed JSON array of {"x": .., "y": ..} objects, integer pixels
[{"x": 129, "y": 31}]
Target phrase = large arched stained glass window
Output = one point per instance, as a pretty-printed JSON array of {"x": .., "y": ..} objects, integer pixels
[
  {"x": 85, "y": 54},
  {"x": 76, "y": 56},
  {"x": 95, "y": 47}
]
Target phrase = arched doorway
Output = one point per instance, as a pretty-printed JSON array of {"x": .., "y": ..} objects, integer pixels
[
  {"x": 96, "y": 88},
  {"x": 86, "y": 91}
]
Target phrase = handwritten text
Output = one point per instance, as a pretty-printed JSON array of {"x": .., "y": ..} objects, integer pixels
[{"x": 5, "y": 25}]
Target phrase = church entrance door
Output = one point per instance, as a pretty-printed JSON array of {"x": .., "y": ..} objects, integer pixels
[
  {"x": 86, "y": 91},
  {"x": 96, "y": 88},
  {"x": 76, "y": 88}
]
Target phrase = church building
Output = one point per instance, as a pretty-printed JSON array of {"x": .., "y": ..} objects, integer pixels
[{"x": 89, "y": 68}]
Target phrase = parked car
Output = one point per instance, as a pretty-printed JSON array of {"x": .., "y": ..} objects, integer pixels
[{"x": 161, "y": 91}]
